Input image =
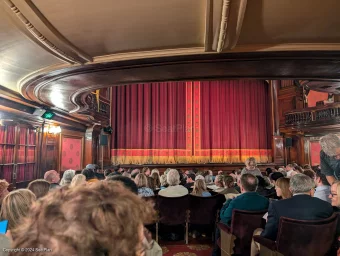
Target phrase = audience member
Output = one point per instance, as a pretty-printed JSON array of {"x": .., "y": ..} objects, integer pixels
[
  {"x": 190, "y": 181},
  {"x": 39, "y": 188},
  {"x": 218, "y": 186},
  {"x": 309, "y": 173},
  {"x": 249, "y": 200},
  {"x": 95, "y": 169},
  {"x": 229, "y": 185},
  {"x": 156, "y": 180},
  {"x": 128, "y": 183},
  {"x": 282, "y": 188},
  {"x": 199, "y": 177},
  {"x": 251, "y": 167},
  {"x": 78, "y": 180},
  {"x": 330, "y": 157},
  {"x": 200, "y": 188},
  {"x": 126, "y": 174},
  {"x": 220, "y": 172},
  {"x": 262, "y": 186},
  {"x": 67, "y": 177},
  {"x": 296, "y": 207},
  {"x": 3, "y": 190},
  {"x": 155, "y": 171},
  {"x": 298, "y": 169},
  {"x": 53, "y": 178},
  {"x": 268, "y": 171},
  {"x": 15, "y": 206},
  {"x": 174, "y": 189},
  {"x": 107, "y": 172},
  {"x": 90, "y": 175},
  {"x": 323, "y": 189},
  {"x": 209, "y": 180},
  {"x": 290, "y": 170},
  {"x": 101, "y": 220},
  {"x": 164, "y": 183},
  {"x": 146, "y": 171},
  {"x": 134, "y": 173},
  {"x": 142, "y": 183}
]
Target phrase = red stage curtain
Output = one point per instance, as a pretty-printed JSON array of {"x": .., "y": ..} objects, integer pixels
[
  {"x": 191, "y": 122},
  {"x": 149, "y": 123},
  {"x": 20, "y": 172},
  {"x": 234, "y": 121}
]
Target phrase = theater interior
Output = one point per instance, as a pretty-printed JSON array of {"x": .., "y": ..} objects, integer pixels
[{"x": 186, "y": 84}]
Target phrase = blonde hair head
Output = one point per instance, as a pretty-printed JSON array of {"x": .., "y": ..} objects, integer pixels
[
  {"x": 16, "y": 205},
  {"x": 141, "y": 180},
  {"x": 199, "y": 187},
  {"x": 337, "y": 184},
  {"x": 78, "y": 179},
  {"x": 283, "y": 184}
]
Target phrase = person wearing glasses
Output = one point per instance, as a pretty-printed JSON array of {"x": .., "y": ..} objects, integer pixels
[
  {"x": 333, "y": 196},
  {"x": 330, "y": 157}
]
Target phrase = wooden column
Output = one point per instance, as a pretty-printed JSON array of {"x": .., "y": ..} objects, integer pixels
[
  {"x": 91, "y": 155},
  {"x": 277, "y": 140}
]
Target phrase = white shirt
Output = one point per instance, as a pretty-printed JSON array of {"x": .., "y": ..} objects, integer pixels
[{"x": 174, "y": 191}]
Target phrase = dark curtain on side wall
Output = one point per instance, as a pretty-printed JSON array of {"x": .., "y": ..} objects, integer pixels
[{"x": 191, "y": 122}]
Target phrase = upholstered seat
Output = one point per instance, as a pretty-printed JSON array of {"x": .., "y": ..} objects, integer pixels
[
  {"x": 173, "y": 211},
  {"x": 300, "y": 237},
  {"x": 237, "y": 238}
]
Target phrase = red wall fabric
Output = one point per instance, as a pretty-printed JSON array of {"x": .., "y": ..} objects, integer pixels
[
  {"x": 71, "y": 153},
  {"x": 315, "y": 149}
]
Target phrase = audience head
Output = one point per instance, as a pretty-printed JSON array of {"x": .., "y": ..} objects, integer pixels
[
  {"x": 93, "y": 167},
  {"x": 163, "y": 178},
  {"x": 309, "y": 173},
  {"x": 290, "y": 167},
  {"x": 52, "y": 176},
  {"x": 67, "y": 177},
  {"x": 220, "y": 172},
  {"x": 320, "y": 179},
  {"x": 78, "y": 180},
  {"x": 199, "y": 187},
  {"x": 127, "y": 174},
  {"x": 155, "y": 171},
  {"x": 16, "y": 206},
  {"x": 275, "y": 176},
  {"x": 335, "y": 194},
  {"x": 282, "y": 188},
  {"x": 301, "y": 184},
  {"x": 219, "y": 181},
  {"x": 89, "y": 174},
  {"x": 3, "y": 189},
  {"x": 146, "y": 171},
  {"x": 261, "y": 181},
  {"x": 248, "y": 183},
  {"x": 209, "y": 179},
  {"x": 104, "y": 219},
  {"x": 172, "y": 177},
  {"x": 251, "y": 163},
  {"x": 191, "y": 177},
  {"x": 39, "y": 188},
  {"x": 199, "y": 177},
  {"x": 268, "y": 171},
  {"x": 156, "y": 180},
  {"x": 107, "y": 173},
  {"x": 228, "y": 181},
  {"x": 127, "y": 183},
  {"x": 141, "y": 180},
  {"x": 134, "y": 173},
  {"x": 330, "y": 144}
]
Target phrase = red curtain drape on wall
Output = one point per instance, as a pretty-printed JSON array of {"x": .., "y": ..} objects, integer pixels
[
  {"x": 149, "y": 122},
  {"x": 191, "y": 122}
]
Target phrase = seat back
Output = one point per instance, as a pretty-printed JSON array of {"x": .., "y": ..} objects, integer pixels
[
  {"x": 301, "y": 237},
  {"x": 243, "y": 224},
  {"x": 172, "y": 210},
  {"x": 203, "y": 209}
]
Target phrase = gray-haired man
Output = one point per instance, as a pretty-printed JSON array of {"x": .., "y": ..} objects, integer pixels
[{"x": 330, "y": 157}]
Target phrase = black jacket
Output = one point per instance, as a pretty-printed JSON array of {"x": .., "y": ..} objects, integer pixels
[{"x": 299, "y": 207}]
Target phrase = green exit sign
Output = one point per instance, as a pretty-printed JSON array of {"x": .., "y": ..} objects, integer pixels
[{"x": 48, "y": 115}]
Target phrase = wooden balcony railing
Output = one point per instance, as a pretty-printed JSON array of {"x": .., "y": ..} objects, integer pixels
[{"x": 328, "y": 114}]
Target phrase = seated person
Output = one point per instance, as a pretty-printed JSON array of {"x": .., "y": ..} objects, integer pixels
[
  {"x": 323, "y": 189},
  {"x": 174, "y": 189},
  {"x": 190, "y": 180},
  {"x": 67, "y": 177},
  {"x": 3, "y": 190},
  {"x": 108, "y": 218},
  {"x": 90, "y": 175},
  {"x": 142, "y": 183},
  {"x": 200, "y": 189},
  {"x": 249, "y": 200},
  {"x": 302, "y": 206},
  {"x": 229, "y": 185},
  {"x": 262, "y": 186},
  {"x": 282, "y": 188},
  {"x": 39, "y": 187},
  {"x": 97, "y": 172},
  {"x": 290, "y": 169},
  {"x": 52, "y": 177},
  {"x": 218, "y": 186}
]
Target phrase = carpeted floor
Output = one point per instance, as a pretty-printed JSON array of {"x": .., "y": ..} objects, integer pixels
[{"x": 187, "y": 250}]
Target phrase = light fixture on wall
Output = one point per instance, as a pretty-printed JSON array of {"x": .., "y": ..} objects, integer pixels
[{"x": 53, "y": 129}]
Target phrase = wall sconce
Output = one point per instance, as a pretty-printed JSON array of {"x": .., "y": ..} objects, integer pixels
[{"x": 53, "y": 129}]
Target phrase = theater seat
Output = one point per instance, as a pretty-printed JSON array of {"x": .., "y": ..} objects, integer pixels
[
  {"x": 300, "y": 237},
  {"x": 237, "y": 238},
  {"x": 205, "y": 210},
  {"x": 173, "y": 211}
]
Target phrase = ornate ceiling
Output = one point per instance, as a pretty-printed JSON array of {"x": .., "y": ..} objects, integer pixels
[{"x": 55, "y": 52}]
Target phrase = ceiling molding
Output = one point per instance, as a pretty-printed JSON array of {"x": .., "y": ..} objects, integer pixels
[
  {"x": 288, "y": 47},
  {"x": 231, "y": 23},
  {"x": 41, "y": 31}
]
